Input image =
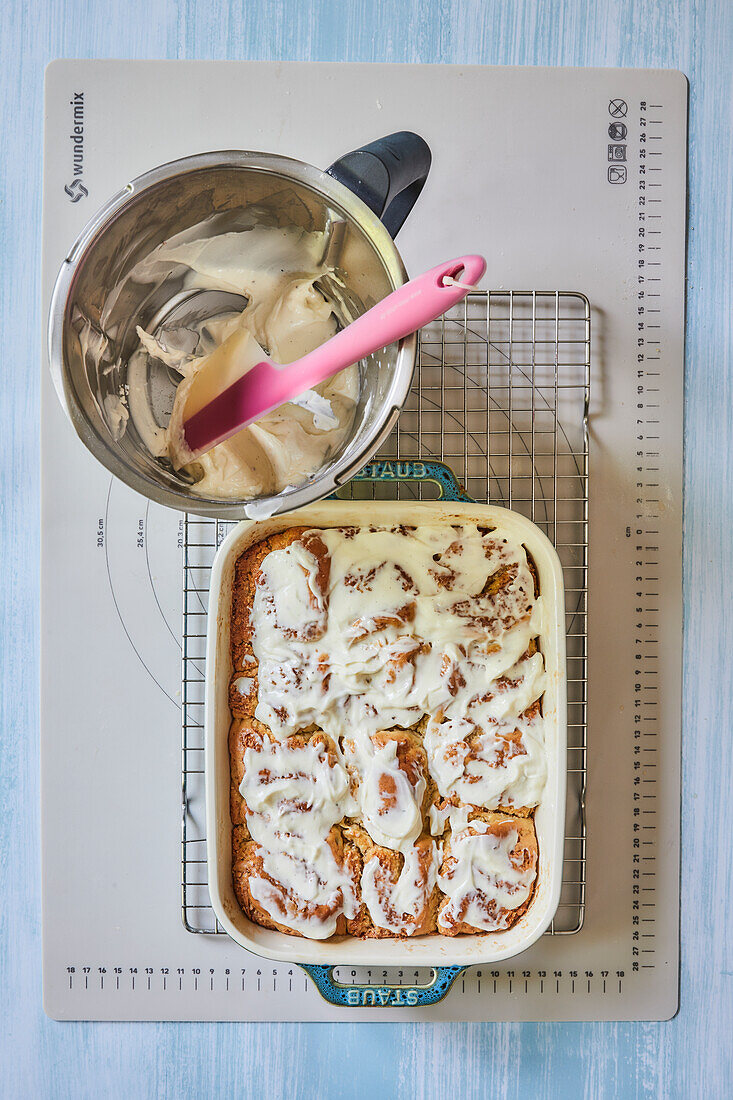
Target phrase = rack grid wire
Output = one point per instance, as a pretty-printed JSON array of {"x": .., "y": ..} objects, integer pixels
[{"x": 500, "y": 393}]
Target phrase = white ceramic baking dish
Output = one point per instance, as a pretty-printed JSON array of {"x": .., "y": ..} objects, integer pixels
[{"x": 428, "y": 951}]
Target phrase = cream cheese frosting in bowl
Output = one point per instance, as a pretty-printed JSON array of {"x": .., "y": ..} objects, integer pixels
[
  {"x": 194, "y": 259},
  {"x": 282, "y": 283}
]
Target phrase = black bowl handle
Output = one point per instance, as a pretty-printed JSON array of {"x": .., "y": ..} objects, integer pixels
[{"x": 388, "y": 175}]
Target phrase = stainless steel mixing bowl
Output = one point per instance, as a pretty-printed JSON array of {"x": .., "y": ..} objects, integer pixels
[{"x": 92, "y": 329}]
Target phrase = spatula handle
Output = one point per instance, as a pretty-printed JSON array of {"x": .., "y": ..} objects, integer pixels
[{"x": 402, "y": 312}]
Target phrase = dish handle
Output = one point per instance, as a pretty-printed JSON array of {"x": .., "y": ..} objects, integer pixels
[
  {"x": 385, "y": 471},
  {"x": 382, "y": 996}
]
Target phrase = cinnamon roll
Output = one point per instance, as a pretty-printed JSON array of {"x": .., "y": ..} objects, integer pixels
[
  {"x": 388, "y": 772},
  {"x": 487, "y": 875},
  {"x": 294, "y": 874},
  {"x": 399, "y": 894}
]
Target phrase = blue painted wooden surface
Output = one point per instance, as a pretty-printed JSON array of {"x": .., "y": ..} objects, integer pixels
[{"x": 689, "y": 1057}]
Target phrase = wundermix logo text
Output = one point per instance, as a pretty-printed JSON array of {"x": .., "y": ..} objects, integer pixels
[{"x": 76, "y": 189}]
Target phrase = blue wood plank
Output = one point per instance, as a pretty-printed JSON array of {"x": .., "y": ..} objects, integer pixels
[{"x": 691, "y": 1056}]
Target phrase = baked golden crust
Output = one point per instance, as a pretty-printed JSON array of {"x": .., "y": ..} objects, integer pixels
[
  {"x": 524, "y": 856},
  {"x": 244, "y": 733},
  {"x": 240, "y": 837}
]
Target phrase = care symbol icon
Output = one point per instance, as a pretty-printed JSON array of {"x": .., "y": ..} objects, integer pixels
[
  {"x": 617, "y": 108},
  {"x": 617, "y": 152},
  {"x": 617, "y": 173},
  {"x": 617, "y": 131}
]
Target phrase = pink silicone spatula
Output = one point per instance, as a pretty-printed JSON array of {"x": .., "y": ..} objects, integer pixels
[{"x": 267, "y": 384}]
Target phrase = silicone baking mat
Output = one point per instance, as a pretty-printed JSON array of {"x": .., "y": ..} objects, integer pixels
[{"x": 570, "y": 179}]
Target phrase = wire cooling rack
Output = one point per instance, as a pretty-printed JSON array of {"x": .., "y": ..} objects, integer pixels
[{"x": 500, "y": 393}]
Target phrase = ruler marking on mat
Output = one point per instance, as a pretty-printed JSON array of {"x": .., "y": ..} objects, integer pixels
[{"x": 645, "y": 558}]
